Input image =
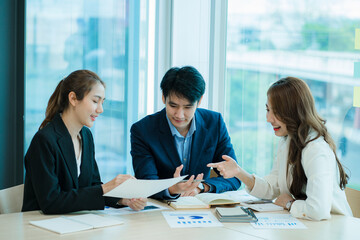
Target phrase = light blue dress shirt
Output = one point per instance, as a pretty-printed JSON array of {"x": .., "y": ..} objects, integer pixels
[{"x": 183, "y": 144}]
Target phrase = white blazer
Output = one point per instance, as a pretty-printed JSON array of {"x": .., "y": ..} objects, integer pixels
[{"x": 322, "y": 190}]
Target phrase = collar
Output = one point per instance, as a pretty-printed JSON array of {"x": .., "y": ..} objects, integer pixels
[{"x": 175, "y": 132}]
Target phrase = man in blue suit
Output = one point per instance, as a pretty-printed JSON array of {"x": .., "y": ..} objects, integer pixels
[{"x": 182, "y": 139}]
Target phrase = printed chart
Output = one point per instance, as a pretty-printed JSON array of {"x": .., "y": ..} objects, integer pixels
[
  {"x": 177, "y": 219},
  {"x": 277, "y": 221}
]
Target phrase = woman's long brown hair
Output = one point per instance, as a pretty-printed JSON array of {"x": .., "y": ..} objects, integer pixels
[
  {"x": 80, "y": 82},
  {"x": 293, "y": 104}
]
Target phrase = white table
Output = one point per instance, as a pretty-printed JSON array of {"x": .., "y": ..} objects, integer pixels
[{"x": 152, "y": 225}]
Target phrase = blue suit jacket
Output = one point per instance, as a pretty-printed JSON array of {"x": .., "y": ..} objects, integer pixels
[
  {"x": 51, "y": 181},
  {"x": 155, "y": 156}
]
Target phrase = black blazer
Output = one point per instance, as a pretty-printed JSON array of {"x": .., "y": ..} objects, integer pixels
[
  {"x": 155, "y": 156},
  {"x": 51, "y": 182}
]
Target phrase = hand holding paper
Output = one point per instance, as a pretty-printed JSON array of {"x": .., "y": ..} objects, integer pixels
[
  {"x": 134, "y": 188},
  {"x": 187, "y": 188},
  {"x": 119, "y": 179}
]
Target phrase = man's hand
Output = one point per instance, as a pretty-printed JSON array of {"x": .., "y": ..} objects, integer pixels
[
  {"x": 190, "y": 186},
  {"x": 190, "y": 193},
  {"x": 195, "y": 191}
]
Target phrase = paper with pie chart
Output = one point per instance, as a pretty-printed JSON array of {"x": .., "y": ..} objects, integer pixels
[{"x": 178, "y": 219}]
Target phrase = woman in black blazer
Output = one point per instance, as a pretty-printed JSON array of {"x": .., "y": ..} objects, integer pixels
[{"x": 61, "y": 172}]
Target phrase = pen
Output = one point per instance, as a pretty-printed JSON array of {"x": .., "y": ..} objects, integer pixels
[
  {"x": 258, "y": 201},
  {"x": 170, "y": 201},
  {"x": 250, "y": 212},
  {"x": 182, "y": 181}
]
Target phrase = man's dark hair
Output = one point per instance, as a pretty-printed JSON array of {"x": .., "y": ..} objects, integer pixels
[{"x": 184, "y": 82}]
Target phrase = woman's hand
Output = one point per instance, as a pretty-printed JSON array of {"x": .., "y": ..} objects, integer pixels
[
  {"x": 228, "y": 168},
  {"x": 136, "y": 204},
  {"x": 119, "y": 179},
  {"x": 283, "y": 199}
]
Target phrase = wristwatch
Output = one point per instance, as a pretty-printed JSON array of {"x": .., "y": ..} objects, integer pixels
[
  {"x": 201, "y": 187},
  {"x": 288, "y": 205}
]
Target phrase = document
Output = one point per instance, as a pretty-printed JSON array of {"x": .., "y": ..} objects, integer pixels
[
  {"x": 70, "y": 224},
  {"x": 243, "y": 197},
  {"x": 135, "y": 188},
  {"x": 177, "y": 219},
  {"x": 150, "y": 207},
  {"x": 277, "y": 221},
  {"x": 264, "y": 207}
]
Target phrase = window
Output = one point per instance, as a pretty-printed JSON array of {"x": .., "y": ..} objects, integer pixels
[
  {"x": 312, "y": 40},
  {"x": 108, "y": 37}
]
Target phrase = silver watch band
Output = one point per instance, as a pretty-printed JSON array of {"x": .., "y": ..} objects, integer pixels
[
  {"x": 201, "y": 187},
  {"x": 289, "y": 204}
]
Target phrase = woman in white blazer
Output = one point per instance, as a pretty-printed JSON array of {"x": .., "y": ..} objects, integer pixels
[{"x": 307, "y": 177}]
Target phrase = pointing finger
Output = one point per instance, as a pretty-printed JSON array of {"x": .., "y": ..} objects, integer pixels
[{"x": 215, "y": 165}]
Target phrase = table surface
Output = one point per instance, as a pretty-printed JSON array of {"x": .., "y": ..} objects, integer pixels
[{"x": 152, "y": 225}]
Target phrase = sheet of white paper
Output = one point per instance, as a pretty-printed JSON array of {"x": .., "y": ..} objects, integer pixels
[
  {"x": 61, "y": 225},
  {"x": 178, "y": 219},
  {"x": 95, "y": 220},
  {"x": 264, "y": 207},
  {"x": 277, "y": 221},
  {"x": 76, "y": 223},
  {"x": 150, "y": 207},
  {"x": 135, "y": 188},
  {"x": 241, "y": 196}
]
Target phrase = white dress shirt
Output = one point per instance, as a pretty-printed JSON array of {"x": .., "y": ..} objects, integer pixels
[{"x": 322, "y": 190}]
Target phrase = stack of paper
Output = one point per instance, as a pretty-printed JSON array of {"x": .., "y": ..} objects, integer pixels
[{"x": 238, "y": 214}]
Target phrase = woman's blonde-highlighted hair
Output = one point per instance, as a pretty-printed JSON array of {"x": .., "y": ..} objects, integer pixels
[{"x": 293, "y": 104}]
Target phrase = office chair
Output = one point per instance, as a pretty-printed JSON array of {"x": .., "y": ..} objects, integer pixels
[
  {"x": 213, "y": 173},
  {"x": 11, "y": 199},
  {"x": 353, "y": 198}
]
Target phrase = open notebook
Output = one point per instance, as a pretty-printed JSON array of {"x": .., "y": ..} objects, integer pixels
[
  {"x": 70, "y": 224},
  {"x": 207, "y": 200},
  {"x": 203, "y": 200}
]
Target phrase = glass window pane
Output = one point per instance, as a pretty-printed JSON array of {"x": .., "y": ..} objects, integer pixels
[
  {"x": 63, "y": 36},
  {"x": 312, "y": 40}
]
